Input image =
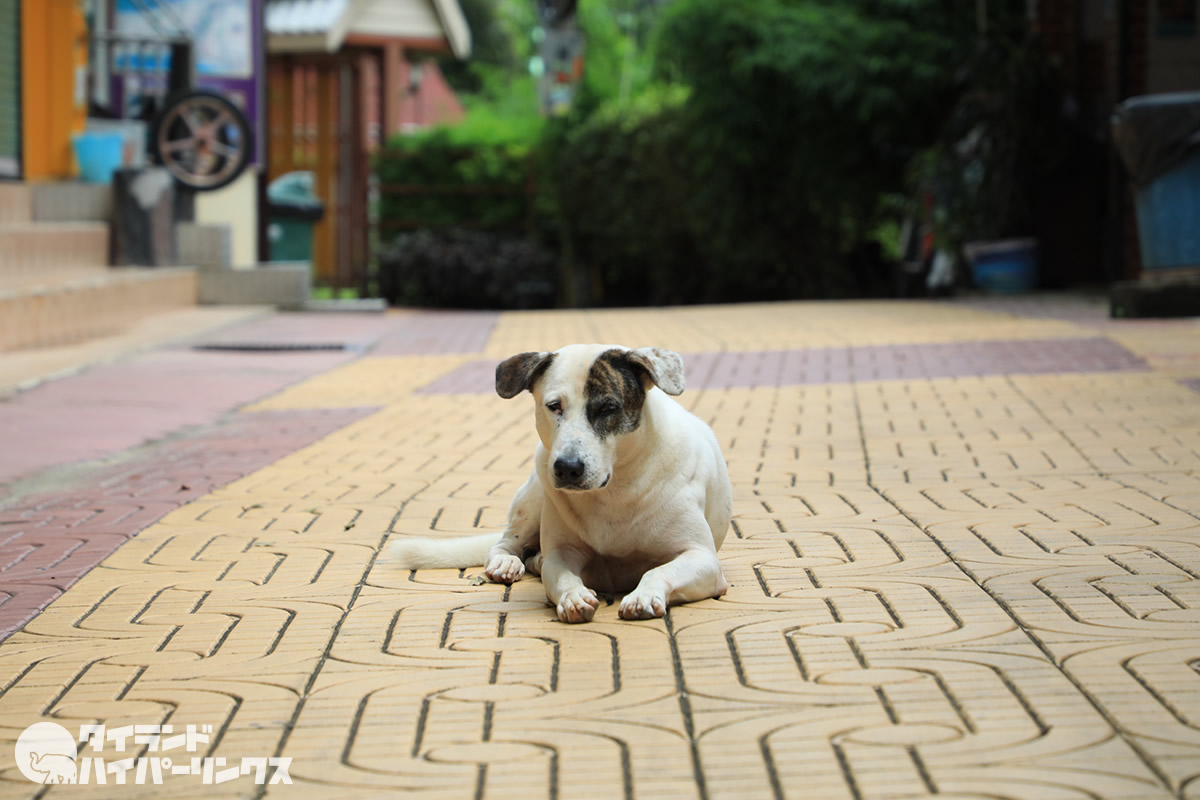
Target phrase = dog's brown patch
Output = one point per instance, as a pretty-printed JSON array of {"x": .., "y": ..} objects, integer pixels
[{"x": 614, "y": 394}]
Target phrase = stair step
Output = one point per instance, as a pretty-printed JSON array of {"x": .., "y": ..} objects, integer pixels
[
  {"x": 46, "y": 247},
  {"x": 16, "y": 203},
  {"x": 85, "y": 305},
  {"x": 29, "y": 283},
  {"x": 71, "y": 201}
]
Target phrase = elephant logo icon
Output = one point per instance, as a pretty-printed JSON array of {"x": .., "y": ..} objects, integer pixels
[{"x": 46, "y": 753}]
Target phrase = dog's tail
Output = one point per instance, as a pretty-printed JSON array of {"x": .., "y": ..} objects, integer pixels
[{"x": 425, "y": 553}]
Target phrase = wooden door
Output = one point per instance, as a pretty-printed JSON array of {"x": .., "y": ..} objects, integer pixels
[{"x": 314, "y": 108}]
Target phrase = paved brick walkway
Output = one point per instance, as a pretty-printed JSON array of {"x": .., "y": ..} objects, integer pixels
[{"x": 965, "y": 561}]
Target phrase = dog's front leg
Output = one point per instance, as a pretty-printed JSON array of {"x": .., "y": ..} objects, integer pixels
[
  {"x": 692, "y": 575},
  {"x": 561, "y": 569},
  {"x": 506, "y": 560}
]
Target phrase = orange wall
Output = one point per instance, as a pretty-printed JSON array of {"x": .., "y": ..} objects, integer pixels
[{"x": 50, "y": 31}]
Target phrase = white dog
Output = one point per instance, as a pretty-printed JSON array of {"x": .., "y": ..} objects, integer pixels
[{"x": 629, "y": 491}]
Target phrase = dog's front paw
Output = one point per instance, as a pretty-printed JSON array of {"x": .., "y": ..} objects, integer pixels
[
  {"x": 643, "y": 604},
  {"x": 505, "y": 569},
  {"x": 577, "y": 605}
]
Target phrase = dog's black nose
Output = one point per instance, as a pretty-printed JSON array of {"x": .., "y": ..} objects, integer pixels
[{"x": 568, "y": 470}]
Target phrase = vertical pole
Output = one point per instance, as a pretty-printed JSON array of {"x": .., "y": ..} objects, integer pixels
[
  {"x": 391, "y": 76},
  {"x": 261, "y": 127},
  {"x": 346, "y": 169},
  {"x": 323, "y": 119}
]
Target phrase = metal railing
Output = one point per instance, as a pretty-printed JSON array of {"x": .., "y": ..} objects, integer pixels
[
  {"x": 133, "y": 74},
  {"x": 146, "y": 70}
]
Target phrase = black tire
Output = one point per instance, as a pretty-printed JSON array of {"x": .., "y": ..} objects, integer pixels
[{"x": 203, "y": 139}]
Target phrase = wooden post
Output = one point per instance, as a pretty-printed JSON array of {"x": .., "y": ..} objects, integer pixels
[
  {"x": 326, "y": 232},
  {"x": 393, "y": 81}
]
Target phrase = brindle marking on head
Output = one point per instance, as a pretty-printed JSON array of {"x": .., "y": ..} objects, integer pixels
[
  {"x": 518, "y": 373},
  {"x": 614, "y": 393}
]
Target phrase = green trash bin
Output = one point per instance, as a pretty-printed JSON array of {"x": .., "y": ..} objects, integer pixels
[{"x": 292, "y": 211}]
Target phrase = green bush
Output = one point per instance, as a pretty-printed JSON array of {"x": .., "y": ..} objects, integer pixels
[
  {"x": 716, "y": 150},
  {"x": 755, "y": 168},
  {"x": 1002, "y": 143},
  {"x": 649, "y": 221},
  {"x": 831, "y": 97},
  {"x": 474, "y": 173},
  {"x": 456, "y": 268}
]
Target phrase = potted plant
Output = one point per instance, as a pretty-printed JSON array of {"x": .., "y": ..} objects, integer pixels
[{"x": 997, "y": 140}]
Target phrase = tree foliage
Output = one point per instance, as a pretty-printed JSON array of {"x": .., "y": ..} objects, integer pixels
[
  {"x": 499, "y": 43},
  {"x": 833, "y": 95},
  {"x": 744, "y": 149}
]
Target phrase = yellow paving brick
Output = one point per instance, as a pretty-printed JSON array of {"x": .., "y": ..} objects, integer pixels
[{"x": 976, "y": 586}]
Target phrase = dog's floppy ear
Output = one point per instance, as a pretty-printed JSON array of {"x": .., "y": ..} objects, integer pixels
[
  {"x": 663, "y": 367},
  {"x": 515, "y": 375}
]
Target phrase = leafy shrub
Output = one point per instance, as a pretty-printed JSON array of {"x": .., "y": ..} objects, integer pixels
[
  {"x": 755, "y": 168},
  {"x": 476, "y": 173},
  {"x": 653, "y": 218},
  {"x": 743, "y": 151},
  {"x": 493, "y": 44},
  {"x": 833, "y": 97},
  {"x": 459, "y": 268},
  {"x": 1001, "y": 144}
]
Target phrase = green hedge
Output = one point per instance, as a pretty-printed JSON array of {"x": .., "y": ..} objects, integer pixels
[
  {"x": 636, "y": 207},
  {"x": 476, "y": 176},
  {"x": 651, "y": 215},
  {"x": 455, "y": 268},
  {"x": 741, "y": 151}
]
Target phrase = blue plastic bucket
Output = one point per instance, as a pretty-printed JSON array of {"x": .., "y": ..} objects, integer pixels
[
  {"x": 1007, "y": 267},
  {"x": 98, "y": 154},
  {"x": 1168, "y": 214}
]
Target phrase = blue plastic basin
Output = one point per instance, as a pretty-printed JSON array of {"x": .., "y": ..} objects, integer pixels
[
  {"x": 98, "y": 154},
  {"x": 1007, "y": 267}
]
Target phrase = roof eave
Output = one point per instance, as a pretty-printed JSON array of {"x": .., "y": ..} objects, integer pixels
[
  {"x": 298, "y": 43},
  {"x": 455, "y": 26}
]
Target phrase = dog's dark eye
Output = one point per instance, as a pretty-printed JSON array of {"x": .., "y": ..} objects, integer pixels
[
  {"x": 554, "y": 407},
  {"x": 608, "y": 407}
]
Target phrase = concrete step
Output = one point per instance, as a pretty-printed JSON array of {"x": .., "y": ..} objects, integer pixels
[
  {"x": 71, "y": 201},
  {"x": 45, "y": 248},
  {"x": 16, "y": 203},
  {"x": 69, "y": 307}
]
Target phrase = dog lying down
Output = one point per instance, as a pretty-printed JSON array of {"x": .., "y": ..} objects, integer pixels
[{"x": 629, "y": 491}]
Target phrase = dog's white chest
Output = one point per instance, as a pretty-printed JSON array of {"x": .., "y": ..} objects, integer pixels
[{"x": 617, "y": 524}]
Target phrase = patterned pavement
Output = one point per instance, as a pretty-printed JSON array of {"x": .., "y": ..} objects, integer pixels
[{"x": 965, "y": 562}]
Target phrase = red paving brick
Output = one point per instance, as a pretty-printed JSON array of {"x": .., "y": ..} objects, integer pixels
[
  {"x": 856, "y": 364},
  {"x": 49, "y": 540},
  {"x": 112, "y": 408},
  {"x": 437, "y": 333}
]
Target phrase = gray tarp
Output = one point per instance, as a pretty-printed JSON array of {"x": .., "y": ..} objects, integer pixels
[{"x": 1155, "y": 132}]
